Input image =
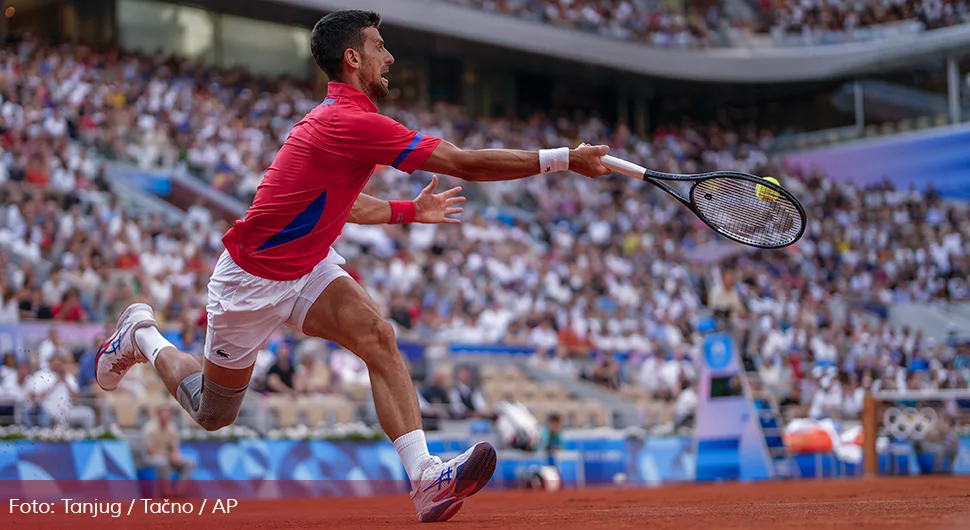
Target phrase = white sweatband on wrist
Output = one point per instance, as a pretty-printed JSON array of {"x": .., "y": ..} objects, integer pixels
[{"x": 551, "y": 160}]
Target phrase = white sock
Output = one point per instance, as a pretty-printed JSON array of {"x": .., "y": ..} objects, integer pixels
[
  {"x": 413, "y": 448},
  {"x": 151, "y": 342}
]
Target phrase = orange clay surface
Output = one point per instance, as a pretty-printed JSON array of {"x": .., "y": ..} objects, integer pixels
[{"x": 925, "y": 503}]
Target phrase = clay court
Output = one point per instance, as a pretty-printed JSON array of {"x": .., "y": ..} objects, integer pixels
[{"x": 928, "y": 503}]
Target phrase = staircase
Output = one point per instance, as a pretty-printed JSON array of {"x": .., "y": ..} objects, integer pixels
[{"x": 772, "y": 426}]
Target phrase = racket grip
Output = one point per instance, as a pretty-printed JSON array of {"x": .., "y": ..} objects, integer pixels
[{"x": 622, "y": 166}]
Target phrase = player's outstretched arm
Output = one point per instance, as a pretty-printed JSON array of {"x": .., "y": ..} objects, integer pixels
[
  {"x": 429, "y": 207},
  {"x": 485, "y": 165}
]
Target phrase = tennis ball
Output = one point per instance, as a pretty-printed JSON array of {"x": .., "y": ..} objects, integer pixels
[{"x": 764, "y": 193}]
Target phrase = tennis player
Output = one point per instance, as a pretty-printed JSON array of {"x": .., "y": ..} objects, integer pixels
[{"x": 279, "y": 268}]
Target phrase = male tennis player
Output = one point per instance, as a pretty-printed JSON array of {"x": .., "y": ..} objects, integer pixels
[{"x": 279, "y": 267}]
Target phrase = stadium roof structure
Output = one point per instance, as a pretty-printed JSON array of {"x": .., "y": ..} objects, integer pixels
[{"x": 767, "y": 64}]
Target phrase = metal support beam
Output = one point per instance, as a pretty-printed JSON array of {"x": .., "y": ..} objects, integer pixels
[
  {"x": 953, "y": 89},
  {"x": 640, "y": 121},
  {"x": 860, "y": 105}
]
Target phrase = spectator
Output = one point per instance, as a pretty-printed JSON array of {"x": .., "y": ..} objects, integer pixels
[
  {"x": 312, "y": 375},
  {"x": 776, "y": 378},
  {"x": 51, "y": 347},
  {"x": 465, "y": 399},
  {"x": 437, "y": 395},
  {"x": 686, "y": 404},
  {"x": 552, "y": 438},
  {"x": 827, "y": 401},
  {"x": 725, "y": 300},
  {"x": 562, "y": 364},
  {"x": 279, "y": 378},
  {"x": 649, "y": 377},
  {"x": 605, "y": 372},
  {"x": 9, "y": 306},
  {"x": 12, "y": 395},
  {"x": 52, "y": 397},
  {"x": 70, "y": 308},
  {"x": 86, "y": 367},
  {"x": 162, "y": 443},
  {"x": 853, "y": 397}
]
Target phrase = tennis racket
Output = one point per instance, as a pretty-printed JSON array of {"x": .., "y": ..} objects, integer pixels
[{"x": 728, "y": 202}]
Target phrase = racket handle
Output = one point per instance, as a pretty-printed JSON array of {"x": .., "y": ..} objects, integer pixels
[{"x": 622, "y": 166}]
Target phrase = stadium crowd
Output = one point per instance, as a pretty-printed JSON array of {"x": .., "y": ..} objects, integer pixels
[
  {"x": 588, "y": 272},
  {"x": 660, "y": 24}
]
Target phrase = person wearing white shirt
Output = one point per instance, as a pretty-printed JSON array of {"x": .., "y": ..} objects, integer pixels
[
  {"x": 777, "y": 342},
  {"x": 561, "y": 364},
  {"x": 52, "y": 394},
  {"x": 676, "y": 369},
  {"x": 827, "y": 401},
  {"x": 13, "y": 392},
  {"x": 51, "y": 347},
  {"x": 685, "y": 405},
  {"x": 854, "y": 399},
  {"x": 9, "y": 308},
  {"x": 54, "y": 288},
  {"x": 650, "y": 374},
  {"x": 823, "y": 348},
  {"x": 543, "y": 337}
]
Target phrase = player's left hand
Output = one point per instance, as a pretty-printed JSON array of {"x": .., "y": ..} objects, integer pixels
[{"x": 432, "y": 208}]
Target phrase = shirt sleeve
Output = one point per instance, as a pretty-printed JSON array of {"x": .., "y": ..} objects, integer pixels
[{"x": 377, "y": 139}]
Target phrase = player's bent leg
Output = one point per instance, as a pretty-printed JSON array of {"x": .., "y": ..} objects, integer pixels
[
  {"x": 345, "y": 314},
  {"x": 212, "y": 397},
  {"x": 244, "y": 310}
]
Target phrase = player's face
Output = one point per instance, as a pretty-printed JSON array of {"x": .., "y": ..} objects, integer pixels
[{"x": 376, "y": 62}]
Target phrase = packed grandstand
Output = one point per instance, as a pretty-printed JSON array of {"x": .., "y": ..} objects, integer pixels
[
  {"x": 714, "y": 24},
  {"x": 606, "y": 280}
]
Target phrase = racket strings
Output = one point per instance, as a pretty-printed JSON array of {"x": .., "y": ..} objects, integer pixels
[{"x": 732, "y": 206}]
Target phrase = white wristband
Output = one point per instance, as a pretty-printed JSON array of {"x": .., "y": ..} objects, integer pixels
[{"x": 551, "y": 160}]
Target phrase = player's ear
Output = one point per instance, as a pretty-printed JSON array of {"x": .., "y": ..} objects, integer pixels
[{"x": 352, "y": 59}]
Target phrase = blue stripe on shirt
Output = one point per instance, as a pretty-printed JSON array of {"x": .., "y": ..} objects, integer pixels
[
  {"x": 301, "y": 225},
  {"x": 407, "y": 151}
]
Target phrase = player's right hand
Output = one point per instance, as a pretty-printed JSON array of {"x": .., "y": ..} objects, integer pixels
[{"x": 587, "y": 160}]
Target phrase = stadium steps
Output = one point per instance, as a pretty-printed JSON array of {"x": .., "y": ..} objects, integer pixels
[
  {"x": 622, "y": 412},
  {"x": 772, "y": 426},
  {"x": 579, "y": 401},
  {"x": 510, "y": 383}
]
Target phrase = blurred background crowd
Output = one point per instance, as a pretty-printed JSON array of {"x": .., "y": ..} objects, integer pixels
[
  {"x": 706, "y": 24},
  {"x": 606, "y": 279}
]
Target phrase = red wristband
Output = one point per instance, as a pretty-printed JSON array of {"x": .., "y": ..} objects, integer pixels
[{"x": 402, "y": 212}]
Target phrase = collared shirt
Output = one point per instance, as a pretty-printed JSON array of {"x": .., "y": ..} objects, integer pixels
[{"x": 307, "y": 194}]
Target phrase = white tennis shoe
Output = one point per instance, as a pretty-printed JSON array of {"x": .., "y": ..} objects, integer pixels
[
  {"x": 444, "y": 486},
  {"x": 120, "y": 352}
]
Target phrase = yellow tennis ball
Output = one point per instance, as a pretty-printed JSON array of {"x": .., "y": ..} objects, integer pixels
[{"x": 764, "y": 193}]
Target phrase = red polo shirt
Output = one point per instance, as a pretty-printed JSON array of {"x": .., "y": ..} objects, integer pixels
[{"x": 306, "y": 195}]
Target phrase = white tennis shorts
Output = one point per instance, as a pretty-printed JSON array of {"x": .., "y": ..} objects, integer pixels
[{"x": 244, "y": 310}]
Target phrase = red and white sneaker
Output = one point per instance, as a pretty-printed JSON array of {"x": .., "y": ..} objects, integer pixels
[
  {"x": 120, "y": 352},
  {"x": 444, "y": 486}
]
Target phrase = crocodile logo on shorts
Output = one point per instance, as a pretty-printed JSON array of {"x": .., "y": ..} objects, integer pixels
[{"x": 222, "y": 353}]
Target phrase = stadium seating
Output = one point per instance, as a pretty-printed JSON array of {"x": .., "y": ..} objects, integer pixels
[
  {"x": 664, "y": 25},
  {"x": 648, "y": 302}
]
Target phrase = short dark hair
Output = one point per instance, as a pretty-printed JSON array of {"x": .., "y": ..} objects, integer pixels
[{"x": 336, "y": 32}]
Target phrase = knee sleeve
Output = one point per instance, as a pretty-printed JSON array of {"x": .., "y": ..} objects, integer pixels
[{"x": 212, "y": 406}]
